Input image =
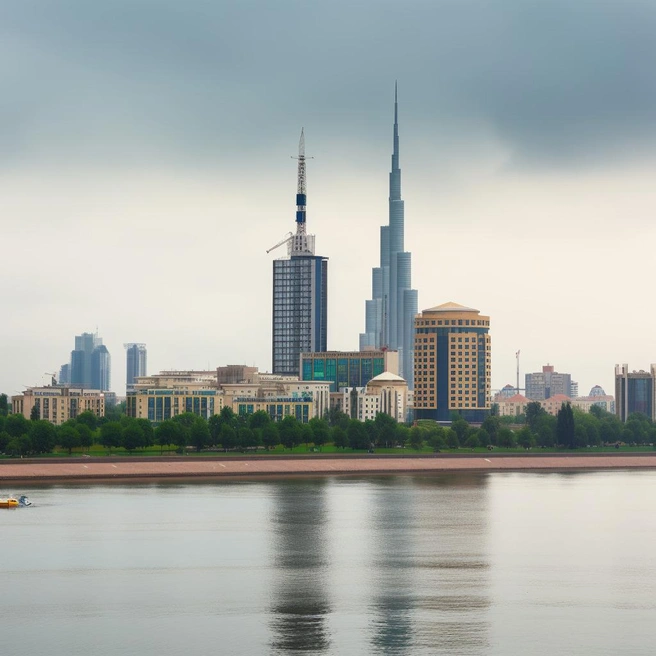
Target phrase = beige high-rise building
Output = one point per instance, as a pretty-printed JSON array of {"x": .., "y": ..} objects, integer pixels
[{"x": 452, "y": 363}]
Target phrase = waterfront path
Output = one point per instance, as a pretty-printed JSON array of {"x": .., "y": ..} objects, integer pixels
[{"x": 121, "y": 468}]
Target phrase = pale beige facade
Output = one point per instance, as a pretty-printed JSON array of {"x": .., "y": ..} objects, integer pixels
[
  {"x": 512, "y": 406},
  {"x": 165, "y": 395},
  {"x": 386, "y": 393},
  {"x": 58, "y": 404}
]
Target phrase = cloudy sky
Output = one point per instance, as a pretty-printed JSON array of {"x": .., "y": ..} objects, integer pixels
[{"x": 145, "y": 169}]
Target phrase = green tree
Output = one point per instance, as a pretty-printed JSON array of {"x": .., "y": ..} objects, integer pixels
[
  {"x": 228, "y": 416},
  {"x": 248, "y": 438},
  {"x": 491, "y": 424},
  {"x": 290, "y": 432},
  {"x": 307, "y": 435},
  {"x": 340, "y": 438},
  {"x": 436, "y": 438},
  {"x": 358, "y": 438},
  {"x": 43, "y": 436},
  {"x": 110, "y": 435},
  {"x": 229, "y": 438},
  {"x": 460, "y": 426},
  {"x": 452, "y": 439},
  {"x": 565, "y": 431},
  {"x": 199, "y": 434},
  {"x": 35, "y": 415},
  {"x": 386, "y": 428},
  {"x": 214, "y": 425},
  {"x": 86, "y": 436},
  {"x": 336, "y": 417},
  {"x": 417, "y": 438},
  {"x": 4, "y": 405},
  {"x": 16, "y": 425},
  {"x": 320, "y": 431},
  {"x": 483, "y": 437},
  {"x": 259, "y": 419},
  {"x": 473, "y": 441},
  {"x": 148, "y": 431},
  {"x": 68, "y": 438},
  {"x": 402, "y": 434},
  {"x": 19, "y": 446},
  {"x": 5, "y": 438},
  {"x": 270, "y": 436},
  {"x": 534, "y": 411},
  {"x": 525, "y": 438},
  {"x": 506, "y": 438},
  {"x": 167, "y": 433},
  {"x": 88, "y": 418},
  {"x": 132, "y": 437}
]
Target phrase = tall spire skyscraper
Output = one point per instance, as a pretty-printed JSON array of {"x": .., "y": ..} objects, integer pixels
[
  {"x": 390, "y": 313},
  {"x": 300, "y": 290}
]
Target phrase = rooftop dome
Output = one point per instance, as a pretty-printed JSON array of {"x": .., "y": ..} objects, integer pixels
[
  {"x": 451, "y": 307},
  {"x": 387, "y": 376}
]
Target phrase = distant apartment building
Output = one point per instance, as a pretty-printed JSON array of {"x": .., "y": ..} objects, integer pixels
[
  {"x": 546, "y": 383},
  {"x": 386, "y": 393},
  {"x": 348, "y": 368},
  {"x": 634, "y": 391},
  {"x": 136, "y": 360},
  {"x": 512, "y": 406},
  {"x": 452, "y": 363},
  {"x": 58, "y": 404}
]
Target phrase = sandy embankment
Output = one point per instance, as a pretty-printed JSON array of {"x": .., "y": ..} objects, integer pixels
[{"x": 121, "y": 469}]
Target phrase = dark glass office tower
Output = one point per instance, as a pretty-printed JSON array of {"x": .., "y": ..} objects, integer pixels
[
  {"x": 300, "y": 291},
  {"x": 136, "y": 363}
]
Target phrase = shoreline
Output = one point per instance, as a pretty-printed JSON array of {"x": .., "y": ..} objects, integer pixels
[{"x": 133, "y": 470}]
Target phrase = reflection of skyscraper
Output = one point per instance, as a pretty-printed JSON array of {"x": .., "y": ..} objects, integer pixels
[
  {"x": 300, "y": 606},
  {"x": 390, "y": 313},
  {"x": 300, "y": 291},
  {"x": 136, "y": 361}
]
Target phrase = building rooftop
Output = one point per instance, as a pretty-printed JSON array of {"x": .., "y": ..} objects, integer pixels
[
  {"x": 451, "y": 307},
  {"x": 516, "y": 398},
  {"x": 387, "y": 376}
]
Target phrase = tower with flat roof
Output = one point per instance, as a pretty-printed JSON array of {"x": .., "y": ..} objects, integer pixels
[{"x": 452, "y": 363}]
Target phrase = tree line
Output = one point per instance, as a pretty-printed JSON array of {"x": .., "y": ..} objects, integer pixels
[{"x": 227, "y": 431}]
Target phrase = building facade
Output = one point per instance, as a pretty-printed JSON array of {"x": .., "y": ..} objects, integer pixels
[
  {"x": 386, "y": 393},
  {"x": 59, "y": 404},
  {"x": 101, "y": 368},
  {"x": 546, "y": 383},
  {"x": 634, "y": 391},
  {"x": 348, "y": 368},
  {"x": 167, "y": 394},
  {"x": 300, "y": 291},
  {"x": 452, "y": 363},
  {"x": 136, "y": 360},
  {"x": 390, "y": 314}
]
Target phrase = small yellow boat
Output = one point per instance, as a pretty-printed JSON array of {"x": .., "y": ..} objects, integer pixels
[{"x": 13, "y": 502}]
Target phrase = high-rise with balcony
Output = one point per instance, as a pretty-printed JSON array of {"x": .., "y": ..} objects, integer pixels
[{"x": 390, "y": 313}]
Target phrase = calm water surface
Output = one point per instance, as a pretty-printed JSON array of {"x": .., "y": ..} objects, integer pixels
[{"x": 460, "y": 564}]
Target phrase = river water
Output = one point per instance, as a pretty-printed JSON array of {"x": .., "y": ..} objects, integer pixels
[{"x": 455, "y": 564}]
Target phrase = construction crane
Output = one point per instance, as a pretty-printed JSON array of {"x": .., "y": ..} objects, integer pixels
[
  {"x": 52, "y": 376},
  {"x": 288, "y": 237},
  {"x": 302, "y": 243}
]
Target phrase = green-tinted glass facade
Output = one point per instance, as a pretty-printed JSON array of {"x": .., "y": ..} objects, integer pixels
[{"x": 356, "y": 370}]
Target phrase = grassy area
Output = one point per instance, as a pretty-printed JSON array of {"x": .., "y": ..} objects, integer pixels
[{"x": 99, "y": 451}]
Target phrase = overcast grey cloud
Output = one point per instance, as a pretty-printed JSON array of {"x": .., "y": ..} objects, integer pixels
[{"x": 145, "y": 168}]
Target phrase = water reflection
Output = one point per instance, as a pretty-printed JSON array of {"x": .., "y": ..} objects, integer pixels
[
  {"x": 393, "y": 518},
  {"x": 431, "y": 566},
  {"x": 451, "y": 553},
  {"x": 300, "y": 605}
]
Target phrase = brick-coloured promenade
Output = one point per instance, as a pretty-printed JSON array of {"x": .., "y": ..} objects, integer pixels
[{"x": 123, "y": 468}]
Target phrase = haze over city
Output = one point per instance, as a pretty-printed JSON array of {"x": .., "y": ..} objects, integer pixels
[{"x": 146, "y": 169}]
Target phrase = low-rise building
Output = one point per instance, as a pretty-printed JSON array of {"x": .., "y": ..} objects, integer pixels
[
  {"x": 59, "y": 403},
  {"x": 386, "y": 393},
  {"x": 512, "y": 406}
]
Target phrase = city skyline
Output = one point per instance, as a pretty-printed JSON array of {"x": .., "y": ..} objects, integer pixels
[{"x": 522, "y": 146}]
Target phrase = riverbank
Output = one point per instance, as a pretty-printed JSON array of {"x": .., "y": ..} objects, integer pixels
[{"x": 87, "y": 470}]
